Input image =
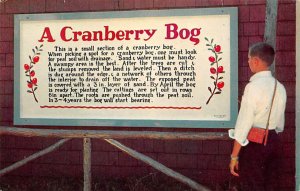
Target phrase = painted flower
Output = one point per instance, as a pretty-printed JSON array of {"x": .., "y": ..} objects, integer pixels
[
  {"x": 217, "y": 48},
  {"x": 211, "y": 59},
  {"x": 213, "y": 70},
  {"x": 36, "y": 59},
  {"x": 34, "y": 81},
  {"x": 29, "y": 85},
  {"x": 32, "y": 73},
  {"x": 220, "y": 85},
  {"x": 26, "y": 67},
  {"x": 220, "y": 69}
]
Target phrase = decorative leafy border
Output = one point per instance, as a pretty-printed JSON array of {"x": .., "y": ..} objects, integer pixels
[
  {"x": 30, "y": 72},
  {"x": 216, "y": 69}
]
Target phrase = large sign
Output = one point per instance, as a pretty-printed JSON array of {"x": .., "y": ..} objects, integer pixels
[{"x": 162, "y": 68}]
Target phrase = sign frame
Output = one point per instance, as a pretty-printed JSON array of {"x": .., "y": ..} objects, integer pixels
[{"x": 231, "y": 11}]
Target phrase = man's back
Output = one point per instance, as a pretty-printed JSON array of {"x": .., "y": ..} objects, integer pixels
[{"x": 260, "y": 90}]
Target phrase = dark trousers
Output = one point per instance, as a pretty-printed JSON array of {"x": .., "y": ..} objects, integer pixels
[{"x": 259, "y": 165}]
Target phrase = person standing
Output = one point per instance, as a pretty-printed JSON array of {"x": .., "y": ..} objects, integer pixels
[{"x": 256, "y": 165}]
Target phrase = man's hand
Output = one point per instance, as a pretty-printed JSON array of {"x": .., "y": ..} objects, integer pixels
[{"x": 234, "y": 165}]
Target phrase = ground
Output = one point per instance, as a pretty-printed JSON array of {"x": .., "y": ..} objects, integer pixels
[{"x": 150, "y": 182}]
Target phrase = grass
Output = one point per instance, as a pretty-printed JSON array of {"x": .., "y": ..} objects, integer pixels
[{"x": 150, "y": 182}]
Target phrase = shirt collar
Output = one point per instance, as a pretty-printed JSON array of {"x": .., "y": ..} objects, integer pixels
[{"x": 261, "y": 75}]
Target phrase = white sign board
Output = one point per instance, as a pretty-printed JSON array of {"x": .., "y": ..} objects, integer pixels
[{"x": 175, "y": 68}]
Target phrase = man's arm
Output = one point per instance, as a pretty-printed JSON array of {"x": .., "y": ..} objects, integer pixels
[{"x": 234, "y": 162}]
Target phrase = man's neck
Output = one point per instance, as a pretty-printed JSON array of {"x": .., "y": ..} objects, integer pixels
[{"x": 262, "y": 68}]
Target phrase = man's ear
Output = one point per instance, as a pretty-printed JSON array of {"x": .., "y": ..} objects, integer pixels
[{"x": 256, "y": 60}]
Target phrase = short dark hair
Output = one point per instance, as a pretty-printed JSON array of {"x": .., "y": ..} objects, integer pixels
[{"x": 264, "y": 51}]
